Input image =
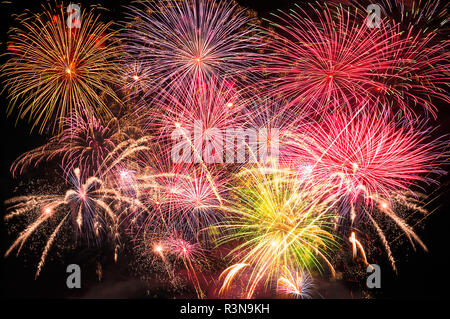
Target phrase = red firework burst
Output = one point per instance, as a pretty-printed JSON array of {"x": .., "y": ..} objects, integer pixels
[
  {"x": 333, "y": 59},
  {"x": 326, "y": 59}
]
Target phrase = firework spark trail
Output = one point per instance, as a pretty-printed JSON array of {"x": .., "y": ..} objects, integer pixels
[
  {"x": 356, "y": 244},
  {"x": 24, "y": 204},
  {"x": 85, "y": 202},
  {"x": 385, "y": 243},
  {"x": 48, "y": 246},
  {"x": 230, "y": 273},
  {"x": 187, "y": 252},
  {"x": 122, "y": 151}
]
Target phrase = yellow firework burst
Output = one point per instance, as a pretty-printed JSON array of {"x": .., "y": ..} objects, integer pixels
[
  {"x": 54, "y": 70},
  {"x": 279, "y": 222}
]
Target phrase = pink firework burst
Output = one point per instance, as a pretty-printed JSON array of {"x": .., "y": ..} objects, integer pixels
[
  {"x": 197, "y": 118},
  {"x": 367, "y": 155},
  {"x": 183, "y": 249},
  {"x": 84, "y": 142},
  {"x": 183, "y": 198}
]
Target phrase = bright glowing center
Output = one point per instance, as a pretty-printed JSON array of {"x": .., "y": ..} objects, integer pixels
[
  {"x": 308, "y": 169},
  {"x": 123, "y": 174},
  {"x": 82, "y": 194},
  {"x": 198, "y": 60}
]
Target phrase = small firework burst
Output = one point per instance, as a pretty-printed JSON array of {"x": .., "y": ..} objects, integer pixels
[
  {"x": 184, "y": 198},
  {"x": 83, "y": 142},
  {"x": 295, "y": 284}
]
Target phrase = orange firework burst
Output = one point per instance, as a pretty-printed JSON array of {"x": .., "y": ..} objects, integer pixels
[{"x": 55, "y": 71}]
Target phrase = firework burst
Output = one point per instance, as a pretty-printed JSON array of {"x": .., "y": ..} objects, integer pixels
[
  {"x": 295, "y": 284},
  {"x": 54, "y": 71},
  {"x": 277, "y": 222},
  {"x": 191, "y": 40},
  {"x": 88, "y": 205},
  {"x": 367, "y": 160},
  {"x": 367, "y": 155},
  {"x": 325, "y": 59},
  {"x": 185, "y": 199},
  {"x": 333, "y": 59}
]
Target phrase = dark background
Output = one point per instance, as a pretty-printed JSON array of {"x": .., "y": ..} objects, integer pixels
[{"x": 421, "y": 275}]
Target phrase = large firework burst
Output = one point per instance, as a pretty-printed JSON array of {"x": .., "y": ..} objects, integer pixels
[
  {"x": 368, "y": 160},
  {"x": 191, "y": 39},
  {"x": 324, "y": 59},
  {"x": 333, "y": 59},
  {"x": 54, "y": 71},
  {"x": 278, "y": 222},
  {"x": 367, "y": 155}
]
